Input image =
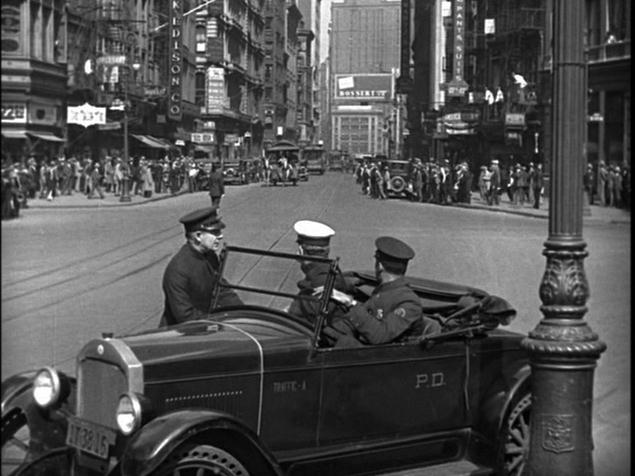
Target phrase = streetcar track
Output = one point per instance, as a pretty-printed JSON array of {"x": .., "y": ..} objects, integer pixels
[
  {"x": 99, "y": 286},
  {"x": 65, "y": 266},
  {"x": 87, "y": 272}
]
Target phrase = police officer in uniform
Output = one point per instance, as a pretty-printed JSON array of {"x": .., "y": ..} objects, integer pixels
[
  {"x": 393, "y": 312},
  {"x": 191, "y": 274},
  {"x": 313, "y": 239}
]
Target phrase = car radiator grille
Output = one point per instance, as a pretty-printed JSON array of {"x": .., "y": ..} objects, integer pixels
[{"x": 100, "y": 384}]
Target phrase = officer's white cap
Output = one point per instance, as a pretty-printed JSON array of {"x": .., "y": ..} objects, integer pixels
[{"x": 313, "y": 232}]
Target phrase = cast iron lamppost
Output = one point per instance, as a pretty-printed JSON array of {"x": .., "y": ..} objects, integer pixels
[
  {"x": 563, "y": 350},
  {"x": 125, "y": 185}
]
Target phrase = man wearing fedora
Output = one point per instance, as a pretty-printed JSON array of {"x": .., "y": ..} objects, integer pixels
[{"x": 191, "y": 275}]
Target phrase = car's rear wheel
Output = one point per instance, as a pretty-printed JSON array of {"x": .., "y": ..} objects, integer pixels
[
  {"x": 515, "y": 437},
  {"x": 202, "y": 460}
]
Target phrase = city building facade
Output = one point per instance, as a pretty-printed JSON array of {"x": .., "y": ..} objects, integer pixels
[
  {"x": 229, "y": 78},
  {"x": 364, "y": 57},
  {"x": 309, "y": 69},
  {"x": 501, "y": 52},
  {"x": 33, "y": 78}
]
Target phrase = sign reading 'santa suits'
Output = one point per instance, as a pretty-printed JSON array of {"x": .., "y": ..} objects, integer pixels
[{"x": 176, "y": 60}]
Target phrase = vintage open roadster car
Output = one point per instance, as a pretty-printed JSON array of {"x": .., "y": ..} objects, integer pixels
[{"x": 254, "y": 390}]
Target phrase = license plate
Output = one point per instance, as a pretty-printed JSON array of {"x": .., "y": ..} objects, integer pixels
[{"x": 90, "y": 437}]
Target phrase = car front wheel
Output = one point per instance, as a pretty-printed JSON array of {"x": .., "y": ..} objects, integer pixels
[
  {"x": 202, "y": 460},
  {"x": 515, "y": 437}
]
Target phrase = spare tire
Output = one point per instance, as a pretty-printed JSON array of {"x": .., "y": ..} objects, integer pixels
[{"x": 398, "y": 184}]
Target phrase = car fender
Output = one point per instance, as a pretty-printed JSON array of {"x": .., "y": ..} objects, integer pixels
[
  {"x": 47, "y": 427},
  {"x": 496, "y": 405},
  {"x": 155, "y": 441}
]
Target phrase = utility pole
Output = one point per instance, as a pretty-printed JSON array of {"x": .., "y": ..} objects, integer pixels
[{"x": 562, "y": 348}]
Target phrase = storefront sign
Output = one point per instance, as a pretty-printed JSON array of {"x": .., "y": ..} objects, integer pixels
[
  {"x": 363, "y": 86},
  {"x": 457, "y": 87},
  {"x": 86, "y": 115},
  {"x": 175, "y": 111},
  {"x": 14, "y": 112},
  {"x": 514, "y": 120},
  {"x": 215, "y": 86},
  {"x": 111, "y": 60},
  {"x": 154, "y": 91},
  {"x": 202, "y": 138}
]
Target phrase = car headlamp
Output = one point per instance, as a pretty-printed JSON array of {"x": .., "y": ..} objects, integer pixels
[
  {"x": 48, "y": 387},
  {"x": 129, "y": 413}
]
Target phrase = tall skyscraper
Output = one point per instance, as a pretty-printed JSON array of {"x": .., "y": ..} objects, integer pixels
[{"x": 364, "y": 57}]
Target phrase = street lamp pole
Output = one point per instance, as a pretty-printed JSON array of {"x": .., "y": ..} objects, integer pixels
[
  {"x": 125, "y": 185},
  {"x": 562, "y": 348}
]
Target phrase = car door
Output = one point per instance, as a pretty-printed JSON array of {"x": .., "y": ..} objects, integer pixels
[{"x": 382, "y": 391}]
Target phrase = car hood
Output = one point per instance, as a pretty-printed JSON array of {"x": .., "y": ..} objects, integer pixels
[{"x": 236, "y": 346}]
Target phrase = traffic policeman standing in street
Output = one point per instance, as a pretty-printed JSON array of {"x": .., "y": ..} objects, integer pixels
[
  {"x": 191, "y": 275},
  {"x": 393, "y": 311}
]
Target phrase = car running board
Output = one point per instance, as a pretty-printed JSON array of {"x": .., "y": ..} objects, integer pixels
[{"x": 456, "y": 468}]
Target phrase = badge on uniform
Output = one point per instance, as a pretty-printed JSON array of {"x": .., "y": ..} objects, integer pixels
[
  {"x": 380, "y": 314},
  {"x": 400, "y": 312}
]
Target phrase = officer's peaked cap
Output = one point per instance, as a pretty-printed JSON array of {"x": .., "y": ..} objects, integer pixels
[
  {"x": 205, "y": 219},
  {"x": 313, "y": 233},
  {"x": 391, "y": 251}
]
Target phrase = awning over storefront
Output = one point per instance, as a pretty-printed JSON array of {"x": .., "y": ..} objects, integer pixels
[
  {"x": 166, "y": 144},
  {"x": 13, "y": 134},
  {"x": 46, "y": 136},
  {"x": 150, "y": 141}
]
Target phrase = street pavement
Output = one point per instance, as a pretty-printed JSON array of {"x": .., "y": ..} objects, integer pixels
[
  {"x": 92, "y": 265},
  {"x": 592, "y": 213}
]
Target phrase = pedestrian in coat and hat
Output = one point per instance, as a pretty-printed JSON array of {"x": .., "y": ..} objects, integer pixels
[{"x": 216, "y": 185}]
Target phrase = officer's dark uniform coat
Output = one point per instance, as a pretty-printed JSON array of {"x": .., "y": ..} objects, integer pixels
[
  {"x": 188, "y": 284},
  {"x": 391, "y": 313}
]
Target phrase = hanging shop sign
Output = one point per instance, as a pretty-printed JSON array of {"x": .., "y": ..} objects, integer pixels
[
  {"x": 86, "y": 115},
  {"x": 215, "y": 86},
  {"x": 14, "y": 112},
  {"x": 203, "y": 137},
  {"x": 515, "y": 120},
  {"x": 175, "y": 111},
  {"x": 457, "y": 86}
]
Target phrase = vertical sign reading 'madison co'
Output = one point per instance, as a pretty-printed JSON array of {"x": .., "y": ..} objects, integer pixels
[{"x": 176, "y": 60}]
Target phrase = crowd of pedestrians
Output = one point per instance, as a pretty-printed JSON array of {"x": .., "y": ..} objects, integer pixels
[
  {"x": 51, "y": 179},
  {"x": 517, "y": 184},
  {"x": 610, "y": 186},
  {"x": 429, "y": 181}
]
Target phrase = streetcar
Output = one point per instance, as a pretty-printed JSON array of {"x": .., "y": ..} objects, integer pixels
[{"x": 315, "y": 157}]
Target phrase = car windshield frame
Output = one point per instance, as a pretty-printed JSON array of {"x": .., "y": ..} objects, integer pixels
[{"x": 323, "y": 298}]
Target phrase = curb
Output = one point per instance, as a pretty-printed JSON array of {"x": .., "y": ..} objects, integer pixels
[{"x": 114, "y": 205}]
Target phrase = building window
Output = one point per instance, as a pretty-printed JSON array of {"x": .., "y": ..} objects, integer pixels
[{"x": 11, "y": 27}]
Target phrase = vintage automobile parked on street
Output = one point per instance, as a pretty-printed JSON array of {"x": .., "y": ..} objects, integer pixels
[
  {"x": 399, "y": 171},
  {"x": 254, "y": 390},
  {"x": 236, "y": 172}
]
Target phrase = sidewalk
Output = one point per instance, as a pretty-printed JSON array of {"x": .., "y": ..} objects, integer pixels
[
  {"x": 590, "y": 213},
  {"x": 79, "y": 200}
]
